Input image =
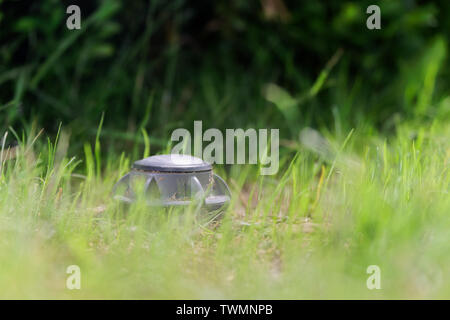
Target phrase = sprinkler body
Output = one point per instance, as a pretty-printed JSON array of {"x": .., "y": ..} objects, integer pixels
[{"x": 173, "y": 180}]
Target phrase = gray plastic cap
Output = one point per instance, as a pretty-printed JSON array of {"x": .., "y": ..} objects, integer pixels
[{"x": 172, "y": 163}]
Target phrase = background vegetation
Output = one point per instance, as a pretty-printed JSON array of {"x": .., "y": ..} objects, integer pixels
[
  {"x": 159, "y": 65},
  {"x": 364, "y": 121}
]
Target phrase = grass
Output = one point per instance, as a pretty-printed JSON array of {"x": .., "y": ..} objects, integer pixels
[{"x": 336, "y": 207}]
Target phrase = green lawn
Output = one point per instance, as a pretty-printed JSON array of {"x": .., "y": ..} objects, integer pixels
[{"x": 335, "y": 207}]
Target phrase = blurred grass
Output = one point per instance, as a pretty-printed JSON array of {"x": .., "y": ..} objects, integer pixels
[{"x": 384, "y": 202}]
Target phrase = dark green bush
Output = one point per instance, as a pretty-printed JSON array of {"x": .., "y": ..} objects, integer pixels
[{"x": 162, "y": 64}]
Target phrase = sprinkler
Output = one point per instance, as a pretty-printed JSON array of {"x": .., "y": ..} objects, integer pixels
[{"x": 173, "y": 180}]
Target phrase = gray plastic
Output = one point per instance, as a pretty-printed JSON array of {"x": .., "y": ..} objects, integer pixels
[
  {"x": 173, "y": 180},
  {"x": 172, "y": 163}
]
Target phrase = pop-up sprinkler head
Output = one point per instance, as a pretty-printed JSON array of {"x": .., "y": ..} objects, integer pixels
[{"x": 173, "y": 180}]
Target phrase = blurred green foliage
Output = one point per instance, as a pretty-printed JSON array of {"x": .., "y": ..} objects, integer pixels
[{"x": 152, "y": 66}]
